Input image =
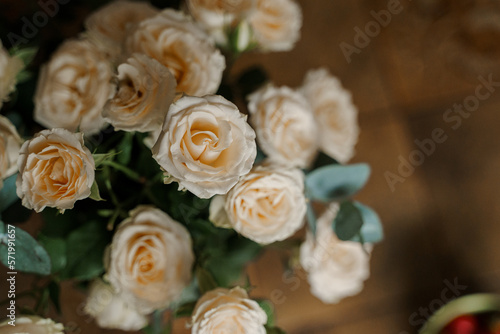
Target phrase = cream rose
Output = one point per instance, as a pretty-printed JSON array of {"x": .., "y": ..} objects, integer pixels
[
  {"x": 145, "y": 90},
  {"x": 276, "y": 24},
  {"x": 228, "y": 311},
  {"x": 284, "y": 124},
  {"x": 178, "y": 43},
  {"x": 219, "y": 15},
  {"x": 266, "y": 205},
  {"x": 73, "y": 88},
  {"x": 150, "y": 259},
  {"x": 110, "y": 310},
  {"x": 9, "y": 68},
  {"x": 109, "y": 25},
  {"x": 32, "y": 325},
  {"x": 55, "y": 170},
  {"x": 10, "y": 143},
  {"x": 336, "y": 269},
  {"x": 335, "y": 114},
  {"x": 205, "y": 145}
]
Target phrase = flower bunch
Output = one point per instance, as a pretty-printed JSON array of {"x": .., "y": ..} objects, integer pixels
[{"x": 156, "y": 190}]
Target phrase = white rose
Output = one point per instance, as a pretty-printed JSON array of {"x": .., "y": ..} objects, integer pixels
[
  {"x": 145, "y": 90},
  {"x": 9, "y": 68},
  {"x": 217, "y": 16},
  {"x": 73, "y": 88},
  {"x": 110, "y": 310},
  {"x": 336, "y": 269},
  {"x": 150, "y": 259},
  {"x": 10, "y": 143},
  {"x": 335, "y": 114},
  {"x": 266, "y": 205},
  {"x": 109, "y": 25},
  {"x": 178, "y": 43},
  {"x": 284, "y": 124},
  {"x": 55, "y": 170},
  {"x": 228, "y": 311},
  {"x": 29, "y": 324},
  {"x": 205, "y": 145},
  {"x": 276, "y": 24}
]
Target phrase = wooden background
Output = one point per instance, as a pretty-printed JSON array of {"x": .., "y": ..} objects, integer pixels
[{"x": 442, "y": 222}]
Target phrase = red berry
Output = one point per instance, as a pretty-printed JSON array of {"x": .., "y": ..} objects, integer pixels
[{"x": 465, "y": 324}]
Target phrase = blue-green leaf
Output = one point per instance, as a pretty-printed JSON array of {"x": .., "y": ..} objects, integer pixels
[
  {"x": 336, "y": 182},
  {"x": 22, "y": 252},
  {"x": 8, "y": 193},
  {"x": 372, "y": 230},
  {"x": 348, "y": 221}
]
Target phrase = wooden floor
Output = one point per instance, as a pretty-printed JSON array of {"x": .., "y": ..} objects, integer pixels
[{"x": 442, "y": 224}]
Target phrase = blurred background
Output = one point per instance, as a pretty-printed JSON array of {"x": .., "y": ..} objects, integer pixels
[{"x": 426, "y": 80}]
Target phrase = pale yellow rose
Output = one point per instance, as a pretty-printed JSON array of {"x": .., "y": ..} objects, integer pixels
[
  {"x": 206, "y": 145},
  {"x": 55, "y": 170},
  {"x": 109, "y": 25},
  {"x": 266, "y": 205},
  {"x": 73, "y": 88},
  {"x": 110, "y": 310},
  {"x": 10, "y": 143},
  {"x": 335, "y": 114},
  {"x": 276, "y": 24},
  {"x": 284, "y": 124},
  {"x": 150, "y": 259},
  {"x": 9, "y": 68},
  {"x": 145, "y": 90},
  {"x": 181, "y": 45},
  {"x": 336, "y": 269},
  {"x": 228, "y": 311},
  {"x": 30, "y": 324}
]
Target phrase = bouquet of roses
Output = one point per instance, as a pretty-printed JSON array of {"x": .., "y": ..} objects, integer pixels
[{"x": 160, "y": 175}]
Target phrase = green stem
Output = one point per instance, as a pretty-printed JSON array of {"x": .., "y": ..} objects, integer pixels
[{"x": 131, "y": 174}]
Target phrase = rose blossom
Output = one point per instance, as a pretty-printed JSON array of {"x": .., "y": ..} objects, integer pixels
[
  {"x": 10, "y": 143},
  {"x": 335, "y": 114},
  {"x": 144, "y": 92},
  {"x": 205, "y": 145},
  {"x": 31, "y": 324},
  {"x": 110, "y": 310},
  {"x": 228, "y": 311},
  {"x": 73, "y": 88},
  {"x": 150, "y": 259},
  {"x": 284, "y": 124},
  {"x": 109, "y": 25},
  {"x": 266, "y": 205},
  {"x": 55, "y": 170},
  {"x": 9, "y": 68},
  {"x": 178, "y": 43},
  {"x": 336, "y": 269},
  {"x": 276, "y": 24}
]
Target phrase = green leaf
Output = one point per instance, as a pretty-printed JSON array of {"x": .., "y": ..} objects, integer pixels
[
  {"x": 125, "y": 148},
  {"x": 23, "y": 76},
  {"x": 26, "y": 54},
  {"x": 25, "y": 253},
  {"x": 336, "y": 182},
  {"x": 8, "y": 193},
  {"x": 84, "y": 249},
  {"x": 348, "y": 221},
  {"x": 94, "y": 192},
  {"x": 100, "y": 158},
  {"x": 206, "y": 281},
  {"x": 185, "y": 310},
  {"x": 268, "y": 307},
  {"x": 274, "y": 330},
  {"x": 54, "y": 293},
  {"x": 372, "y": 230},
  {"x": 59, "y": 225},
  {"x": 56, "y": 248}
]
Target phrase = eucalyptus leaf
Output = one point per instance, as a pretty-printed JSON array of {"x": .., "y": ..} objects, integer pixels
[
  {"x": 372, "y": 230},
  {"x": 23, "y": 252},
  {"x": 348, "y": 221},
  {"x": 8, "y": 193},
  {"x": 336, "y": 182}
]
